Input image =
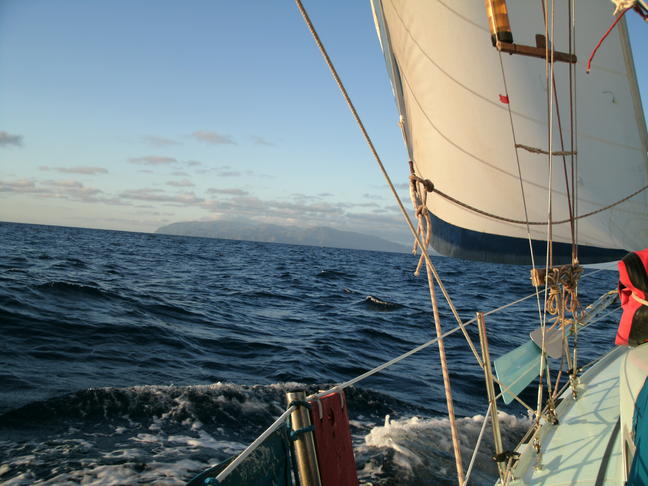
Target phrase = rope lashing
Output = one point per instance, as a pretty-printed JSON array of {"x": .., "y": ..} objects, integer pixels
[
  {"x": 535, "y": 150},
  {"x": 434, "y": 189},
  {"x": 558, "y": 279},
  {"x": 419, "y": 203},
  {"x": 299, "y": 403},
  {"x": 294, "y": 434}
]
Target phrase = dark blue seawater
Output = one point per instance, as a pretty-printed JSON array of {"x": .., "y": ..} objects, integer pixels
[{"x": 131, "y": 358}]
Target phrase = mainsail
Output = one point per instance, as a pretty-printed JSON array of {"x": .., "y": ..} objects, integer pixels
[{"x": 447, "y": 79}]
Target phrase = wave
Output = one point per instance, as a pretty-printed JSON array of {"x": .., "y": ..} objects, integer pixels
[
  {"x": 70, "y": 288},
  {"x": 332, "y": 274},
  {"x": 166, "y": 434},
  {"x": 376, "y": 303}
]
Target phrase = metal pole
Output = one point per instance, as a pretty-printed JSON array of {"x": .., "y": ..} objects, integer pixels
[
  {"x": 490, "y": 388},
  {"x": 304, "y": 443}
]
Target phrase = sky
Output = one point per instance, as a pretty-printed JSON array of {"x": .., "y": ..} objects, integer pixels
[{"x": 132, "y": 115}]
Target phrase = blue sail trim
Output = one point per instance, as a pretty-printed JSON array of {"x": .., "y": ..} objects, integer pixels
[{"x": 457, "y": 242}]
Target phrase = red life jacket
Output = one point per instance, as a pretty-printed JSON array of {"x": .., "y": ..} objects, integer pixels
[{"x": 633, "y": 279}]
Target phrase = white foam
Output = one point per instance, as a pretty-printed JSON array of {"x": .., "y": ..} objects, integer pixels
[{"x": 420, "y": 448}]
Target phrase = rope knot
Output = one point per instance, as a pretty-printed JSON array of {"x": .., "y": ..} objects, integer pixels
[{"x": 428, "y": 184}]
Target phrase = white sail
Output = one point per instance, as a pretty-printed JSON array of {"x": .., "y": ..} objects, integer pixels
[{"x": 447, "y": 80}]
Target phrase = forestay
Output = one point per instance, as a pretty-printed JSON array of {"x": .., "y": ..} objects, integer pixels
[{"x": 447, "y": 81}]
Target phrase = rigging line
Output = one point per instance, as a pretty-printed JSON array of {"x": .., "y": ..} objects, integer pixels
[
  {"x": 478, "y": 444},
  {"x": 536, "y": 223},
  {"x": 519, "y": 168},
  {"x": 607, "y": 32},
  {"x": 574, "y": 119},
  {"x": 564, "y": 160},
  {"x": 367, "y": 138},
  {"x": 427, "y": 344},
  {"x": 254, "y": 445},
  {"x": 446, "y": 377},
  {"x": 570, "y": 203},
  {"x": 572, "y": 94},
  {"x": 543, "y": 320}
]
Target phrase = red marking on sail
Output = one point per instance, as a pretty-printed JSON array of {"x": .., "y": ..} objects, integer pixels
[
  {"x": 333, "y": 441},
  {"x": 504, "y": 99}
]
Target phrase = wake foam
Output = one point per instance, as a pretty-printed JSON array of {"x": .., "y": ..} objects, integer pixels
[
  {"x": 166, "y": 434},
  {"x": 417, "y": 451}
]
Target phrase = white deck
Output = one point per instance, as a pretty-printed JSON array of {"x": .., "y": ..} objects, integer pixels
[{"x": 572, "y": 451}]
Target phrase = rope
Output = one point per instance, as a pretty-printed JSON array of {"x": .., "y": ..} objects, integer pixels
[
  {"x": 478, "y": 444},
  {"x": 535, "y": 223},
  {"x": 257, "y": 442},
  {"x": 540, "y": 151},
  {"x": 446, "y": 378},
  {"x": 596, "y": 48},
  {"x": 639, "y": 299}
]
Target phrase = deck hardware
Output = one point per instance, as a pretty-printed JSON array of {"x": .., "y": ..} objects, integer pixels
[
  {"x": 304, "y": 444},
  {"x": 490, "y": 388},
  {"x": 505, "y": 456}
]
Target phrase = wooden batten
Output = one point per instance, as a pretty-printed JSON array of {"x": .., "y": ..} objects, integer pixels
[{"x": 539, "y": 50}]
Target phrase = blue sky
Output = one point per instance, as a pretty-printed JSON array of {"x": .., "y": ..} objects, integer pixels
[{"x": 131, "y": 115}]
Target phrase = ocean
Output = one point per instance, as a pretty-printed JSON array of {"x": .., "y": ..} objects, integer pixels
[{"x": 132, "y": 358}]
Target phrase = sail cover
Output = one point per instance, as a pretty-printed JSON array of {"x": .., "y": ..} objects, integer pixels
[{"x": 450, "y": 91}]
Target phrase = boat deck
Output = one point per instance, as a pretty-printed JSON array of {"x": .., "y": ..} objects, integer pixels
[{"x": 585, "y": 448}]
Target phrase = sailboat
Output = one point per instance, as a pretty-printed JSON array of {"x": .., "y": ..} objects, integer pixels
[
  {"x": 518, "y": 155},
  {"x": 525, "y": 151}
]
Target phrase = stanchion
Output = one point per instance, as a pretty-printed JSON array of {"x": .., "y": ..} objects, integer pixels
[{"x": 302, "y": 435}]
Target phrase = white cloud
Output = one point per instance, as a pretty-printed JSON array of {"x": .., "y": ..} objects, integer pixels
[
  {"x": 182, "y": 183},
  {"x": 231, "y": 192},
  {"x": 159, "y": 141},
  {"x": 213, "y": 137},
  {"x": 87, "y": 170},
  {"x": 152, "y": 160},
  {"x": 157, "y": 195}
]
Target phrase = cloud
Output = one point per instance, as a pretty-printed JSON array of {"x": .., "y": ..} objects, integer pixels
[
  {"x": 156, "y": 195},
  {"x": 373, "y": 196},
  {"x": 152, "y": 160},
  {"x": 87, "y": 170},
  {"x": 261, "y": 141},
  {"x": 193, "y": 163},
  {"x": 63, "y": 189},
  {"x": 22, "y": 185},
  {"x": 182, "y": 183},
  {"x": 222, "y": 171},
  {"x": 7, "y": 139},
  {"x": 213, "y": 137},
  {"x": 159, "y": 141},
  {"x": 180, "y": 173},
  {"x": 230, "y": 192}
]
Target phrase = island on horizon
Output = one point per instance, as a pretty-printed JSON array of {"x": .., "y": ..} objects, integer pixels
[{"x": 274, "y": 233}]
